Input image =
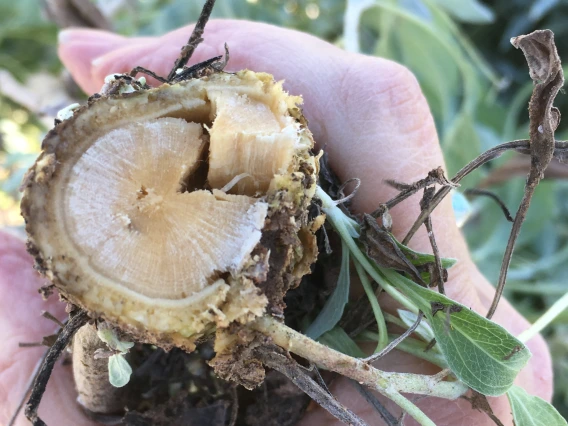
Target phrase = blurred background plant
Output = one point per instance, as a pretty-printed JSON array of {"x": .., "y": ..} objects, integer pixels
[{"x": 477, "y": 86}]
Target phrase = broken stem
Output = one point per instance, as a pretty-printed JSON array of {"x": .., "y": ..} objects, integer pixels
[
  {"x": 194, "y": 39},
  {"x": 287, "y": 366},
  {"x": 387, "y": 383}
]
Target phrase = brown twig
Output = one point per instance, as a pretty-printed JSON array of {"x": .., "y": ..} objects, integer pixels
[
  {"x": 485, "y": 157},
  {"x": 49, "y": 316},
  {"x": 273, "y": 357},
  {"x": 426, "y": 199},
  {"x": 194, "y": 39},
  {"x": 29, "y": 387},
  {"x": 546, "y": 72},
  {"x": 234, "y": 406},
  {"x": 494, "y": 197},
  {"x": 46, "y": 339},
  {"x": 392, "y": 345},
  {"x": 40, "y": 382},
  {"x": 435, "y": 176},
  {"x": 385, "y": 414},
  {"x": 143, "y": 70}
]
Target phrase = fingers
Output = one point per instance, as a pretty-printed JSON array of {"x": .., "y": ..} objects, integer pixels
[{"x": 21, "y": 321}]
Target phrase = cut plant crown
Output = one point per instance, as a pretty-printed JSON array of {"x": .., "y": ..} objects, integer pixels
[{"x": 128, "y": 208}]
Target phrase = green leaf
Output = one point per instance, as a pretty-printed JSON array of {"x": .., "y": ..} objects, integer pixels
[
  {"x": 339, "y": 340},
  {"x": 108, "y": 336},
  {"x": 481, "y": 354},
  {"x": 333, "y": 309},
  {"x": 461, "y": 144},
  {"x": 470, "y": 11},
  {"x": 119, "y": 371},
  {"x": 419, "y": 259},
  {"x": 529, "y": 410}
]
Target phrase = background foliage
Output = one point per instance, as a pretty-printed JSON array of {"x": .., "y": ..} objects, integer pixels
[{"x": 477, "y": 86}]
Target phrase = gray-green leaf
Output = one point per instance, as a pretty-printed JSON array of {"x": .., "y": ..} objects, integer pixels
[
  {"x": 332, "y": 311},
  {"x": 470, "y": 11},
  {"x": 339, "y": 340},
  {"x": 108, "y": 335},
  {"x": 530, "y": 410},
  {"x": 481, "y": 353},
  {"x": 119, "y": 371}
]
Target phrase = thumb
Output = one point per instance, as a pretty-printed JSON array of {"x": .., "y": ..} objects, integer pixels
[{"x": 78, "y": 48}]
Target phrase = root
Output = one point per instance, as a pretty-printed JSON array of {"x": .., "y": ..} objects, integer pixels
[
  {"x": 63, "y": 339},
  {"x": 287, "y": 366}
]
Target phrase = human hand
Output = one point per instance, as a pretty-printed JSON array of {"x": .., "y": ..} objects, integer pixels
[{"x": 372, "y": 119}]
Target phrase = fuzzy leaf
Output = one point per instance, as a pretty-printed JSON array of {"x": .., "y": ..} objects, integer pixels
[
  {"x": 333, "y": 309},
  {"x": 529, "y": 410},
  {"x": 119, "y": 371},
  {"x": 481, "y": 354},
  {"x": 124, "y": 346},
  {"x": 108, "y": 336}
]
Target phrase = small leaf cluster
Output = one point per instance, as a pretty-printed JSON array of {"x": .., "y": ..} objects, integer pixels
[{"x": 119, "y": 370}]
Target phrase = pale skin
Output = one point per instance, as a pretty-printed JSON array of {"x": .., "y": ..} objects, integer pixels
[{"x": 372, "y": 119}]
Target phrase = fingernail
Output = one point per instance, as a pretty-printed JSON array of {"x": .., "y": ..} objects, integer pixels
[
  {"x": 65, "y": 36},
  {"x": 97, "y": 61}
]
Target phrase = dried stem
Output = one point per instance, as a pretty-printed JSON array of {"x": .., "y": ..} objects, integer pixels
[
  {"x": 389, "y": 384},
  {"x": 234, "y": 406},
  {"x": 485, "y": 157},
  {"x": 494, "y": 197},
  {"x": 29, "y": 388},
  {"x": 392, "y": 345},
  {"x": 515, "y": 231},
  {"x": 143, "y": 70},
  {"x": 546, "y": 72},
  {"x": 385, "y": 414},
  {"x": 194, "y": 39},
  {"x": 407, "y": 190},
  {"x": 426, "y": 199},
  {"x": 40, "y": 383},
  {"x": 290, "y": 368}
]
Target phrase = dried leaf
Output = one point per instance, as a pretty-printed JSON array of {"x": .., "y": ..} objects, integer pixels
[
  {"x": 545, "y": 70},
  {"x": 383, "y": 248}
]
